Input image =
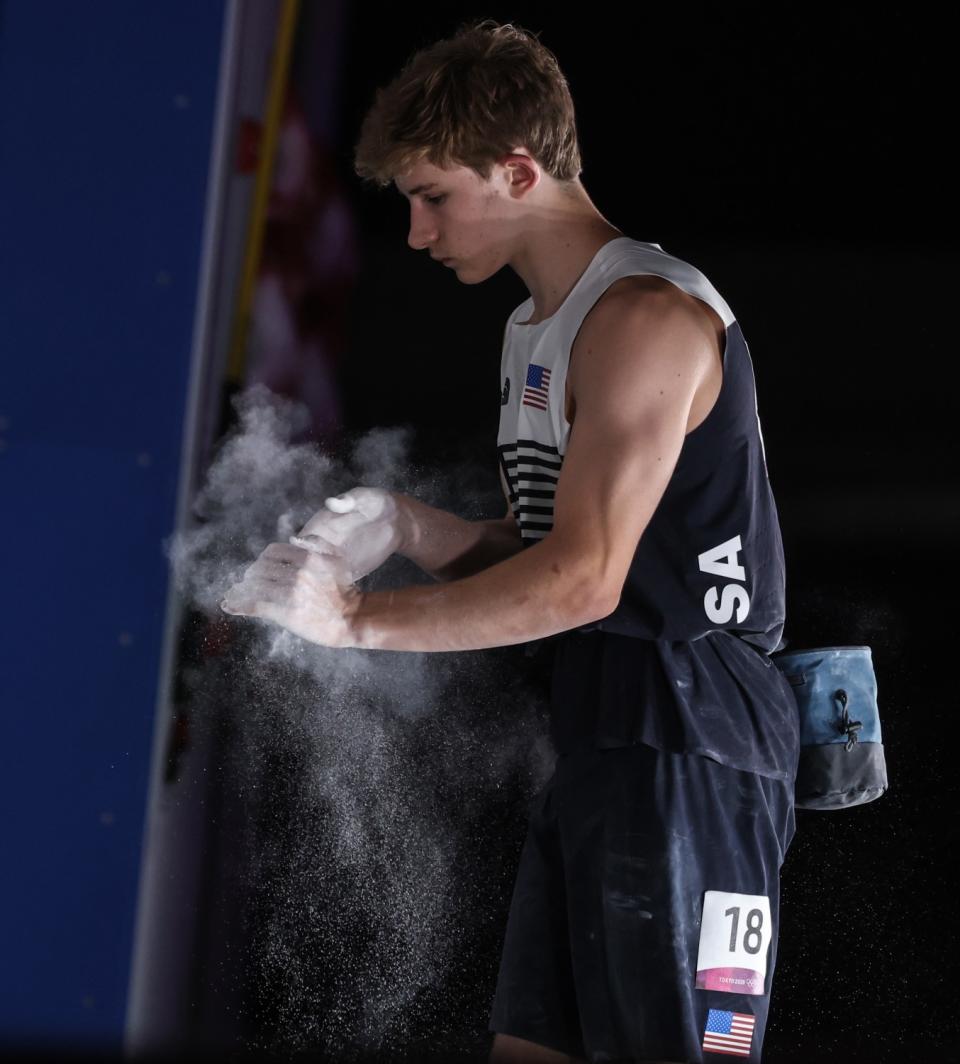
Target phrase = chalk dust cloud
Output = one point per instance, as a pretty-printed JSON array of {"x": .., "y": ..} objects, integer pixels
[{"x": 374, "y": 800}]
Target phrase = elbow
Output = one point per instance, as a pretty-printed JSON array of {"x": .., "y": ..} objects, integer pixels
[
  {"x": 603, "y": 606},
  {"x": 588, "y": 590},
  {"x": 591, "y": 600}
]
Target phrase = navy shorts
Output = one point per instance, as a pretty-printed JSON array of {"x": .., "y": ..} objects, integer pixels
[{"x": 600, "y": 952}]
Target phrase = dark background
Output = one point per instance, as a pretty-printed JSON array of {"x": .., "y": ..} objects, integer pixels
[
  {"x": 796, "y": 154},
  {"x": 792, "y": 154}
]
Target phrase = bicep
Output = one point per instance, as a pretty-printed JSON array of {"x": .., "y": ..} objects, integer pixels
[{"x": 632, "y": 411}]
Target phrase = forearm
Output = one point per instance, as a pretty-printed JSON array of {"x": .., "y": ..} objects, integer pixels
[
  {"x": 536, "y": 593},
  {"x": 448, "y": 547}
]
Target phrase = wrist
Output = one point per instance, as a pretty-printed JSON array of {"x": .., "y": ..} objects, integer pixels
[
  {"x": 405, "y": 524},
  {"x": 354, "y": 620}
]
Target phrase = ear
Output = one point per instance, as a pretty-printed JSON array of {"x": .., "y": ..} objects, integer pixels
[{"x": 523, "y": 171}]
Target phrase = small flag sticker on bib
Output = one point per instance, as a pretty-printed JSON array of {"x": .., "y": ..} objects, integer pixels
[
  {"x": 537, "y": 386},
  {"x": 728, "y": 1032}
]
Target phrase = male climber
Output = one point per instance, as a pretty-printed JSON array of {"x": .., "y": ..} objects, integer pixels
[{"x": 641, "y": 537}]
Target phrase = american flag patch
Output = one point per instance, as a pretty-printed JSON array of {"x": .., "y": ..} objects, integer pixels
[
  {"x": 728, "y": 1032},
  {"x": 535, "y": 390}
]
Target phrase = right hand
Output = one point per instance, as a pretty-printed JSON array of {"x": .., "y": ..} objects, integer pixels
[{"x": 360, "y": 528}]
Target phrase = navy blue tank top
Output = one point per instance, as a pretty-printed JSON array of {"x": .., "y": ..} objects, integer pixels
[{"x": 682, "y": 663}]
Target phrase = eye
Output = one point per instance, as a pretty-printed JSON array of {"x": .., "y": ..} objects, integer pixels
[{"x": 435, "y": 199}]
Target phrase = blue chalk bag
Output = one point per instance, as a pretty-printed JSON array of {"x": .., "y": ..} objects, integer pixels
[{"x": 841, "y": 752}]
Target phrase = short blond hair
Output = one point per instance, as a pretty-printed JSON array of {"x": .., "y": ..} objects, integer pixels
[{"x": 468, "y": 100}]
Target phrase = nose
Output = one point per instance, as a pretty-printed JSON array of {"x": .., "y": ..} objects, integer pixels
[{"x": 423, "y": 230}]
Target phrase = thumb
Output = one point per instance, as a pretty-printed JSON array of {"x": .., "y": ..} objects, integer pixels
[{"x": 341, "y": 504}]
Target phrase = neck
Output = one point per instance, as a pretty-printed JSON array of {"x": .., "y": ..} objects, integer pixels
[{"x": 556, "y": 249}]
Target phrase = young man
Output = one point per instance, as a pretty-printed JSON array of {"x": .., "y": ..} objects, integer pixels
[{"x": 640, "y": 531}]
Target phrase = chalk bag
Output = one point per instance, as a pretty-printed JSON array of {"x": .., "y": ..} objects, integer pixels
[{"x": 841, "y": 752}]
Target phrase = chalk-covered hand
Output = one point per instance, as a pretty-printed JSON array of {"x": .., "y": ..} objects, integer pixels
[
  {"x": 362, "y": 528},
  {"x": 301, "y": 590}
]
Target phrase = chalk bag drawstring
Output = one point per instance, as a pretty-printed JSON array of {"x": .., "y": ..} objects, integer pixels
[{"x": 847, "y": 726}]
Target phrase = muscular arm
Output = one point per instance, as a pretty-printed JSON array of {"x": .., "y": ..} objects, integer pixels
[
  {"x": 449, "y": 548},
  {"x": 644, "y": 361},
  {"x": 641, "y": 363}
]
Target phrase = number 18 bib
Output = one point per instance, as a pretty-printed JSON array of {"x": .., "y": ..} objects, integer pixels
[{"x": 735, "y": 937}]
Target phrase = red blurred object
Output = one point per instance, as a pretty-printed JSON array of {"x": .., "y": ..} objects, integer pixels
[
  {"x": 249, "y": 139},
  {"x": 308, "y": 264}
]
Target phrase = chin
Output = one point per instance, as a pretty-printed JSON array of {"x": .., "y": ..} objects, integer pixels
[{"x": 477, "y": 277}]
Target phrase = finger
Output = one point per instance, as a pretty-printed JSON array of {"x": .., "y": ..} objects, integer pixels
[
  {"x": 326, "y": 569},
  {"x": 249, "y": 599},
  {"x": 260, "y": 607},
  {"x": 278, "y": 574},
  {"x": 238, "y": 605},
  {"x": 313, "y": 543},
  {"x": 327, "y": 525},
  {"x": 255, "y": 580},
  {"x": 274, "y": 568},
  {"x": 340, "y": 504},
  {"x": 280, "y": 579},
  {"x": 285, "y": 552}
]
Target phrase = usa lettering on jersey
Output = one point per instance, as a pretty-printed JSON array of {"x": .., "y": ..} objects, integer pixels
[{"x": 721, "y": 604}]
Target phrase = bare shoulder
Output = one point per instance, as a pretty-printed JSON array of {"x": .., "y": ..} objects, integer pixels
[
  {"x": 645, "y": 327},
  {"x": 645, "y": 300}
]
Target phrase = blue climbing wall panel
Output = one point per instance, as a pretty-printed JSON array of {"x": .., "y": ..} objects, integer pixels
[{"x": 106, "y": 116}]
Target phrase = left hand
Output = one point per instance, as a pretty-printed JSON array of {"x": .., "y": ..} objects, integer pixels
[
  {"x": 362, "y": 526},
  {"x": 301, "y": 590}
]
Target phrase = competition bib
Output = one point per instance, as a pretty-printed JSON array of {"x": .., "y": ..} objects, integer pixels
[{"x": 735, "y": 937}]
